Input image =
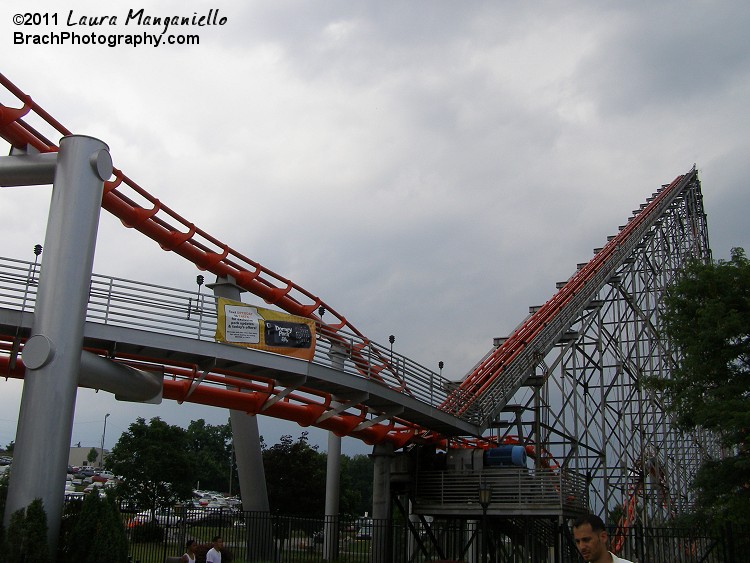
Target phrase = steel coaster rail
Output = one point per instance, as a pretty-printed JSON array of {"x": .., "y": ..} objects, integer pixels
[
  {"x": 130, "y": 304},
  {"x": 174, "y": 233},
  {"x": 504, "y": 370},
  {"x": 527, "y": 344},
  {"x": 481, "y": 395},
  {"x": 303, "y": 406},
  {"x": 216, "y": 387}
]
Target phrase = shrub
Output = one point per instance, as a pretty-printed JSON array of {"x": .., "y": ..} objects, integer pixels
[
  {"x": 35, "y": 543},
  {"x": 110, "y": 544},
  {"x": 81, "y": 536},
  {"x": 146, "y": 533},
  {"x": 98, "y": 535},
  {"x": 3, "y": 496},
  {"x": 27, "y": 534}
]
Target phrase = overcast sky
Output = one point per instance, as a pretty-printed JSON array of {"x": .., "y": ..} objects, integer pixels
[{"x": 430, "y": 169}]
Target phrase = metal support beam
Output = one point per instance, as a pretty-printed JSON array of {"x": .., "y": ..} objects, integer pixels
[
  {"x": 246, "y": 437},
  {"x": 28, "y": 169},
  {"x": 125, "y": 382},
  {"x": 333, "y": 477},
  {"x": 381, "y": 502},
  {"x": 45, "y": 420}
]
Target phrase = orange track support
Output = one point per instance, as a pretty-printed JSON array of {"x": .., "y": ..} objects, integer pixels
[
  {"x": 479, "y": 380},
  {"x": 174, "y": 233},
  {"x": 236, "y": 391}
]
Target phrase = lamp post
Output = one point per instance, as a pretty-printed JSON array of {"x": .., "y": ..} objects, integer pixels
[
  {"x": 485, "y": 495},
  {"x": 101, "y": 453}
]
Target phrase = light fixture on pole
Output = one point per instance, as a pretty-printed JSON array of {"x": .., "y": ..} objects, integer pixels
[
  {"x": 485, "y": 496},
  {"x": 101, "y": 452}
]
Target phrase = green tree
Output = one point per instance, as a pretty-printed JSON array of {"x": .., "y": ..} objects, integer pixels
[
  {"x": 707, "y": 317},
  {"x": 212, "y": 447},
  {"x": 292, "y": 467},
  {"x": 81, "y": 535},
  {"x": 156, "y": 463},
  {"x": 12, "y": 550},
  {"x": 356, "y": 485},
  {"x": 70, "y": 517},
  {"x": 35, "y": 545},
  {"x": 93, "y": 454},
  {"x": 27, "y": 534},
  {"x": 98, "y": 535},
  {"x": 9, "y": 448},
  {"x": 3, "y": 496},
  {"x": 114, "y": 537}
]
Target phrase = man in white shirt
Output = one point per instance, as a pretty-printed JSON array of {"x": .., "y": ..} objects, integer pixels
[
  {"x": 590, "y": 536},
  {"x": 214, "y": 554}
]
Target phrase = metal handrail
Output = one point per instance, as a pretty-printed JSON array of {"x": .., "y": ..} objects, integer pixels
[
  {"x": 511, "y": 486},
  {"x": 155, "y": 308}
]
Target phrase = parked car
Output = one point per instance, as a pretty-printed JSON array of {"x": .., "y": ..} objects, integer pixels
[
  {"x": 161, "y": 517},
  {"x": 234, "y": 502},
  {"x": 92, "y": 486},
  {"x": 364, "y": 533},
  {"x": 209, "y": 515},
  {"x": 103, "y": 476}
]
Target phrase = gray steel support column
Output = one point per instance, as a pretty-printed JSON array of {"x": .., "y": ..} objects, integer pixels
[
  {"x": 45, "y": 420},
  {"x": 28, "y": 169},
  {"x": 381, "y": 502},
  {"x": 249, "y": 457},
  {"x": 333, "y": 478},
  {"x": 126, "y": 383}
]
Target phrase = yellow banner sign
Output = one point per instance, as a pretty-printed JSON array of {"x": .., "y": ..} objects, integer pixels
[{"x": 264, "y": 329}]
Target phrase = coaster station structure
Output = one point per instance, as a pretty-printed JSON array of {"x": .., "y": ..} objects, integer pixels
[
  {"x": 569, "y": 386},
  {"x": 566, "y": 387}
]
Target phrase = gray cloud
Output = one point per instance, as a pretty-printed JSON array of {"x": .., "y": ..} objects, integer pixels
[{"x": 430, "y": 169}]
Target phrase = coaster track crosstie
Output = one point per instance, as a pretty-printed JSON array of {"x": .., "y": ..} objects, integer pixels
[{"x": 582, "y": 354}]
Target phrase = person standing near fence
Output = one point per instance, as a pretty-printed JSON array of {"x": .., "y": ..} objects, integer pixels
[
  {"x": 214, "y": 554},
  {"x": 189, "y": 555},
  {"x": 590, "y": 536}
]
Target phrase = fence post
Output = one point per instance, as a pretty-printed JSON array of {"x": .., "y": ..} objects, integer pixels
[
  {"x": 639, "y": 540},
  {"x": 729, "y": 542}
]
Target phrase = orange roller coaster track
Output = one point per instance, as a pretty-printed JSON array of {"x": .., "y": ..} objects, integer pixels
[
  {"x": 234, "y": 390},
  {"x": 478, "y": 381},
  {"x": 174, "y": 233}
]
